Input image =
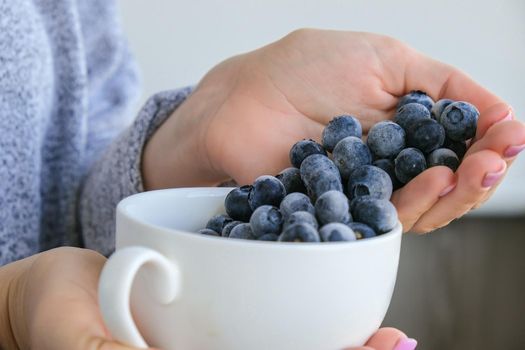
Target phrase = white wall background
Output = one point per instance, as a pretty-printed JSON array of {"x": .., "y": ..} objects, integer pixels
[{"x": 177, "y": 41}]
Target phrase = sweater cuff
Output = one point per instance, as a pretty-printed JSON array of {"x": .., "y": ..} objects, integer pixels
[
  {"x": 118, "y": 173},
  {"x": 155, "y": 112}
]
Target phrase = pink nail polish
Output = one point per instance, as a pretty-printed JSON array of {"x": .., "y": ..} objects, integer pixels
[
  {"x": 447, "y": 190},
  {"x": 491, "y": 178},
  {"x": 513, "y": 151},
  {"x": 509, "y": 116},
  {"x": 406, "y": 344}
]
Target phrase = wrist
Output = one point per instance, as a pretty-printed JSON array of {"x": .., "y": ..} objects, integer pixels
[
  {"x": 187, "y": 150},
  {"x": 176, "y": 154}
]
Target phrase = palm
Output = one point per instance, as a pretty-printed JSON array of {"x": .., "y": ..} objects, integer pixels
[
  {"x": 291, "y": 89},
  {"x": 282, "y": 101},
  {"x": 61, "y": 303}
]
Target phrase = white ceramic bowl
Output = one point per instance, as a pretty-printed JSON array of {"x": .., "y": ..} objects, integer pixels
[{"x": 189, "y": 291}]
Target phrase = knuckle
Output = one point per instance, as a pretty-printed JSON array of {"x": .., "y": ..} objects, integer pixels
[
  {"x": 390, "y": 332},
  {"x": 96, "y": 343},
  {"x": 62, "y": 254},
  {"x": 392, "y": 42},
  {"x": 480, "y": 203},
  {"x": 300, "y": 34},
  {"x": 425, "y": 228}
]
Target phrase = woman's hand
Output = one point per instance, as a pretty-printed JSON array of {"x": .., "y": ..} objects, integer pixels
[
  {"x": 249, "y": 110},
  {"x": 388, "y": 339},
  {"x": 51, "y": 302}
]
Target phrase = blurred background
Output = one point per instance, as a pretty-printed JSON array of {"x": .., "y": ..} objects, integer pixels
[{"x": 462, "y": 287}]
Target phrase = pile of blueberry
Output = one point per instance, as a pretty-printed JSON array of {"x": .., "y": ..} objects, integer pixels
[{"x": 340, "y": 190}]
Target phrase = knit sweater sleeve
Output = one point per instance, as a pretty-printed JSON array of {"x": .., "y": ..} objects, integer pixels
[{"x": 117, "y": 173}]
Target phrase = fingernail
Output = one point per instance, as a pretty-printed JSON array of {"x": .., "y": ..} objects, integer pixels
[
  {"x": 491, "y": 178},
  {"x": 406, "y": 344},
  {"x": 509, "y": 116},
  {"x": 447, "y": 190},
  {"x": 513, "y": 151}
]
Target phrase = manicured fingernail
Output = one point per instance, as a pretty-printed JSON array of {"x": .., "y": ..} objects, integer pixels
[
  {"x": 447, "y": 190},
  {"x": 509, "y": 116},
  {"x": 491, "y": 178},
  {"x": 513, "y": 151},
  {"x": 406, "y": 344}
]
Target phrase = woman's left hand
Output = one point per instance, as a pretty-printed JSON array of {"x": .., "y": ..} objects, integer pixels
[{"x": 248, "y": 111}]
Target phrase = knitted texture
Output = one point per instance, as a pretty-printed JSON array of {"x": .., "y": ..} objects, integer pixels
[{"x": 69, "y": 147}]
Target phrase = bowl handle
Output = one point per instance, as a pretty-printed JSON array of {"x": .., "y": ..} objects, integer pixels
[{"x": 115, "y": 283}]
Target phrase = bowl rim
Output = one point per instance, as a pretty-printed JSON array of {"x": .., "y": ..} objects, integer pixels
[{"x": 125, "y": 203}]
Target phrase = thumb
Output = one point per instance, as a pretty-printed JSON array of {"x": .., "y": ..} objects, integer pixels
[
  {"x": 391, "y": 339},
  {"x": 104, "y": 344},
  {"x": 388, "y": 339}
]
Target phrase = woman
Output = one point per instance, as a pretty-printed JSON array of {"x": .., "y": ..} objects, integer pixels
[{"x": 67, "y": 157}]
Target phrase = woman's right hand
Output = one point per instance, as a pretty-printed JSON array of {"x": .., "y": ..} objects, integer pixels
[
  {"x": 388, "y": 339},
  {"x": 49, "y": 301}
]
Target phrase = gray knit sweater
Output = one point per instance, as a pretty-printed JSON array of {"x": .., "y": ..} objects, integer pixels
[{"x": 69, "y": 146}]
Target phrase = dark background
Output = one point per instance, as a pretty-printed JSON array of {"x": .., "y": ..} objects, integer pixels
[{"x": 463, "y": 287}]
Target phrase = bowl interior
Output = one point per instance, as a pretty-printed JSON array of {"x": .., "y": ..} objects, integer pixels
[
  {"x": 183, "y": 209},
  {"x": 186, "y": 210}
]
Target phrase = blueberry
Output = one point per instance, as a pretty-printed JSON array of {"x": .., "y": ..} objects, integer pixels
[
  {"x": 460, "y": 120},
  {"x": 416, "y": 96},
  {"x": 336, "y": 232},
  {"x": 349, "y": 154},
  {"x": 459, "y": 147},
  {"x": 296, "y": 202},
  {"x": 268, "y": 237},
  {"x": 242, "y": 231},
  {"x": 370, "y": 180},
  {"x": 407, "y": 114},
  {"x": 229, "y": 227},
  {"x": 386, "y": 139},
  {"x": 361, "y": 230},
  {"x": 291, "y": 179},
  {"x": 443, "y": 156},
  {"x": 438, "y": 108},
  {"x": 267, "y": 190},
  {"x": 300, "y": 233},
  {"x": 332, "y": 206},
  {"x": 319, "y": 175},
  {"x": 217, "y": 222},
  {"x": 302, "y": 149},
  {"x": 388, "y": 166},
  {"x": 379, "y": 214},
  {"x": 426, "y": 135},
  {"x": 339, "y": 128},
  {"x": 236, "y": 204},
  {"x": 300, "y": 217},
  {"x": 266, "y": 219},
  {"x": 209, "y": 232},
  {"x": 355, "y": 202},
  {"x": 409, "y": 163}
]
